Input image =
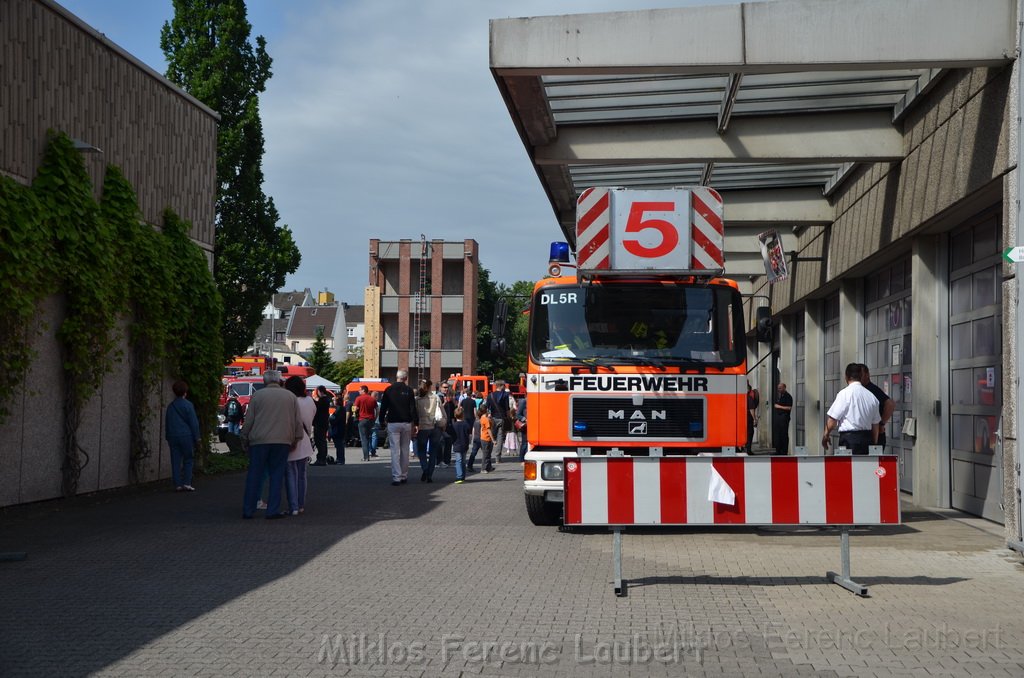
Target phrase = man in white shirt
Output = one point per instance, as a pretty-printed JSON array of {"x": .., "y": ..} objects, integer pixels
[{"x": 855, "y": 412}]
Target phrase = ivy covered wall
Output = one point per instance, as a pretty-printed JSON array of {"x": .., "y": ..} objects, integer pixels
[{"x": 100, "y": 312}]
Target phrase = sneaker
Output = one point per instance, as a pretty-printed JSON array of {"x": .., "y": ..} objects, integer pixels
[
  {"x": 443, "y": 465},
  {"x": 485, "y": 471},
  {"x": 179, "y": 488},
  {"x": 261, "y": 505},
  {"x": 189, "y": 488},
  {"x": 395, "y": 483},
  {"x": 295, "y": 513},
  {"x": 459, "y": 481}
]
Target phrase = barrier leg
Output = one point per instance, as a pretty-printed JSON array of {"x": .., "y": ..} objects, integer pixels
[
  {"x": 844, "y": 556},
  {"x": 620, "y": 588}
]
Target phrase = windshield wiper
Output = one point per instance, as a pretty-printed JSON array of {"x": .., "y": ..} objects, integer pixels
[
  {"x": 687, "y": 363},
  {"x": 587, "y": 363},
  {"x": 642, "y": 360}
]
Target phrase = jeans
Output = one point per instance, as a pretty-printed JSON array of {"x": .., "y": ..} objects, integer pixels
[
  {"x": 498, "y": 435},
  {"x": 428, "y": 448},
  {"x": 373, "y": 441},
  {"x": 366, "y": 435},
  {"x": 458, "y": 454},
  {"x": 445, "y": 447},
  {"x": 272, "y": 457},
  {"x": 856, "y": 441},
  {"x": 477, "y": 443},
  {"x": 399, "y": 438},
  {"x": 522, "y": 444},
  {"x": 487, "y": 446},
  {"x": 296, "y": 484},
  {"x": 235, "y": 427},
  {"x": 182, "y": 459}
]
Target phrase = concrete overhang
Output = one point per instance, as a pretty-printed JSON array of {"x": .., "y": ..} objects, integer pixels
[
  {"x": 772, "y": 103},
  {"x": 786, "y": 35}
]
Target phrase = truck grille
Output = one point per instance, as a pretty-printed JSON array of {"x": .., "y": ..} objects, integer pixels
[{"x": 619, "y": 419}]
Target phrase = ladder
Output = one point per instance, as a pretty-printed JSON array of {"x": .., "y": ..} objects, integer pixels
[{"x": 419, "y": 308}]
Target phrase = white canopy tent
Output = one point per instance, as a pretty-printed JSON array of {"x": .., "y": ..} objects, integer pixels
[{"x": 317, "y": 380}]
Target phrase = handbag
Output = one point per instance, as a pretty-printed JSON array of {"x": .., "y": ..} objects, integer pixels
[
  {"x": 520, "y": 424},
  {"x": 439, "y": 417}
]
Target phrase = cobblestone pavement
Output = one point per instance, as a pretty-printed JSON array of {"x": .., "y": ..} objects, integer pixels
[{"x": 445, "y": 579}]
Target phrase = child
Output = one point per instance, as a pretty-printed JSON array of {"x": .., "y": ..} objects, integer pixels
[
  {"x": 486, "y": 438},
  {"x": 461, "y": 443}
]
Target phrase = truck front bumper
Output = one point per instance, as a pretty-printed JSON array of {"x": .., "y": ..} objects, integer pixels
[{"x": 548, "y": 483}]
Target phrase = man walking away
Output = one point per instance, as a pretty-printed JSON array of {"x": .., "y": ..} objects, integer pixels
[
  {"x": 855, "y": 413},
  {"x": 272, "y": 426},
  {"x": 501, "y": 417},
  {"x": 886, "y": 405},
  {"x": 781, "y": 409},
  {"x": 366, "y": 405},
  {"x": 321, "y": 420},
  {"x": 398, "y": 411}
]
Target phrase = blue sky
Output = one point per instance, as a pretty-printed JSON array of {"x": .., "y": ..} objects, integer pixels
[{"x": 382, "y": 120}]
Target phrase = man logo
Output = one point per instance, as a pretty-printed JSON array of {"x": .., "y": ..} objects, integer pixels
[
  {"x": 638, "y": 428},
  {"x": 637, "y": 415}
]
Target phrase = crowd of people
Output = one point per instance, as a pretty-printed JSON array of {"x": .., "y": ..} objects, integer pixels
[
  {"x": 285, "y": 430},
  {"x": 860, "y": 413}
]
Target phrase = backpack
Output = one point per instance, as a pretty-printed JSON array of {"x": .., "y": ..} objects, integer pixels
[{"x": 233, "y": 409}]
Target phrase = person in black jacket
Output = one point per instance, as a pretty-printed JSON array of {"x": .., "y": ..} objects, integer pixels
[
  {"x": 321, "y": 421},
  {"x": 398, "y": 411}
]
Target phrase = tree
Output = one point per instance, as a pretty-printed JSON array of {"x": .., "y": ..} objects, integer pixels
[
  {"x": 210, "y": 56},
  {"x": 517, "y": 298},
  {"x": 319, "y": 357}
]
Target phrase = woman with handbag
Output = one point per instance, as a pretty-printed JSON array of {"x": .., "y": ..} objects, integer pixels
[
  {"x": 432, "y": 422},
  {"x": 298, "y": 457}
]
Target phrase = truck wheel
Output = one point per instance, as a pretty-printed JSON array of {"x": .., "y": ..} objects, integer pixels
[{"x": 543, "y": 512}]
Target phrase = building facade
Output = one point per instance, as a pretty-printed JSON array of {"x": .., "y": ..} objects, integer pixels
[
  {"x": 58, "y": 73},
  {"x": 427, "y": 306}
]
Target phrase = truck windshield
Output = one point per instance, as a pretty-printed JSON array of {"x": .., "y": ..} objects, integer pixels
[{"x": 638, "y": 323}]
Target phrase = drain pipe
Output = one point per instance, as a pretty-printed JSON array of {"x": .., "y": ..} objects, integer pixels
[{"x": 1018, "y": 543}]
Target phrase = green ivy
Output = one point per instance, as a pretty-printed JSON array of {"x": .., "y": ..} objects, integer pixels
[
  {"x": 143, "y": 257},
  {"x": 195, "y": 330},
  {"x": 109, "y": 265},
  {"x": 26, "y": 278}
]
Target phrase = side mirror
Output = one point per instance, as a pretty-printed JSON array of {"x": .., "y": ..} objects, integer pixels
[{"x": 764, "y": 325}]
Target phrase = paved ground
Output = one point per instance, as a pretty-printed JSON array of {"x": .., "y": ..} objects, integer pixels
[{"x": 445, "y": 579}]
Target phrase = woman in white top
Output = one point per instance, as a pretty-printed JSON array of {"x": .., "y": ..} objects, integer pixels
[
  {"x": 298, "y": 457},
  {"x": 431, "y": 421}
]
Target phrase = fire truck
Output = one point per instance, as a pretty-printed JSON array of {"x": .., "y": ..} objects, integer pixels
[{"x": 640, "y": 348}]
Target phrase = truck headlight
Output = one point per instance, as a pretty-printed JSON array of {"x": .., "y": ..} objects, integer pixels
[
  {"x": 551, "y": 471},
  {"x": 221, "y": 418}
]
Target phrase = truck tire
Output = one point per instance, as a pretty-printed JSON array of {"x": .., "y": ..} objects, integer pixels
[{"x": 543, "y": 512}]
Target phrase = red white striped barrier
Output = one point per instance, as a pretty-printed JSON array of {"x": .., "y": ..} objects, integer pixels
[
  {"x": 593, "y": 229},
  {"x": 707, "y": 228},
  {"x": 836, "y": 490}
]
